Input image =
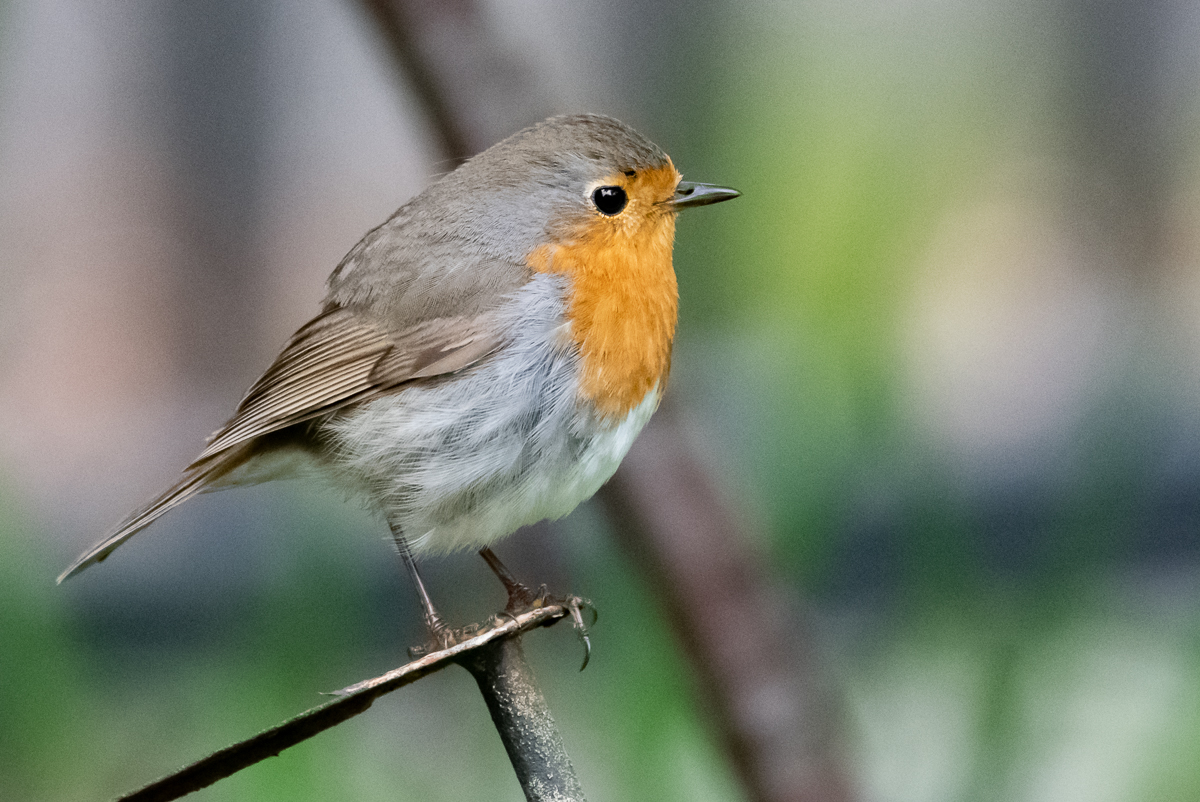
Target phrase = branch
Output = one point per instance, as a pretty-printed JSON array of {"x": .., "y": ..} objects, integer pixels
[
  {"x": 395, "y": 24},
  {"x": 483, "y": 649},
  {"x": 474, "y": 90},
  {"x": 523, "y": 720}
]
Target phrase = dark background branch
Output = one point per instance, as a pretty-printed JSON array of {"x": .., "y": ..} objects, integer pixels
[
  {"x": 396, "y": 22},
  {"x": 753, "y": 657}
]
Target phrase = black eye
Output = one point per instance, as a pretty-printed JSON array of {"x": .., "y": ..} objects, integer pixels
[{"x": 609, "y": 200}]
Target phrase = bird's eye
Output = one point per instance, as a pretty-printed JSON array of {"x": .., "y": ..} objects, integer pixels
[{"x": 609, "y": 200}]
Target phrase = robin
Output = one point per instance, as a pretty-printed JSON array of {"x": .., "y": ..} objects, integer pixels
[{"x": 485, "y": 358}]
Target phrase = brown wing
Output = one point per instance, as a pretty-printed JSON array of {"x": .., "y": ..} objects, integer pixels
[{"x": 339, "y": 358}]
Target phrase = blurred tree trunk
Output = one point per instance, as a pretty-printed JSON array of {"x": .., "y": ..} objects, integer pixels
[
  {"x": 215, "y": 127},
  {"x": 1119, "y": 122}
]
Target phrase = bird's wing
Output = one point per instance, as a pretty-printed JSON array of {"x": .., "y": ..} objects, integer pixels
[{"x": 339, "y": 358}]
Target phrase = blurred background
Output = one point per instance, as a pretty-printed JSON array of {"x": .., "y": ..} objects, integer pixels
[{"x": 942, "y": 358}]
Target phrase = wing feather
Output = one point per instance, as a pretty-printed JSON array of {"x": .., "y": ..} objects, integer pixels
[{"x": 338, "y": 358}]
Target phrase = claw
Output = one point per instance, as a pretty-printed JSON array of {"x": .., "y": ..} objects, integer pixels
[
  {"x": 522, "y": 598},
  {"x": 575, "y": 605},
  {"x": 505, "y": 614}
]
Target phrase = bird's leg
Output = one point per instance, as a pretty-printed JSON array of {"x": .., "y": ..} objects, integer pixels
[
  {"x": 520, "y": 597},
  {"x": 433, "y": 622}
]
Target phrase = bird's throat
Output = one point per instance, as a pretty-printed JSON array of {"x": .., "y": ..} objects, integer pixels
[{"x": 622, "y": 306}]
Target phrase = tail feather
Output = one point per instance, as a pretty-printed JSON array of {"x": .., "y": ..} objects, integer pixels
[{"x": 195, "y": 480}]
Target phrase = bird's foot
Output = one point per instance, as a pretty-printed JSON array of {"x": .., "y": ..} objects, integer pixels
[
  {"x": 521, "y": 599},
  {"x": 575, "y": 606},
  {"x": 442, "y": 637}
]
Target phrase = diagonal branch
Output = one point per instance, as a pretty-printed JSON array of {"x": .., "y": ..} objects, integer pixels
[
  {"x": 396, "y": 26},
  {"x": 755, "y": 667},
  {"x": 350, "y": 702}
]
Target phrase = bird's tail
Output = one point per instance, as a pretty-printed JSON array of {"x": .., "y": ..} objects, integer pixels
[{"x": 197, "y": 478}]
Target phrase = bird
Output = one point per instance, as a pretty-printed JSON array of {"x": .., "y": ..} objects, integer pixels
[{"x": 484, "y": 358}]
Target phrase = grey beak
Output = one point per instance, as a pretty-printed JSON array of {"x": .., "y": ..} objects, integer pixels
[{"x": 689, "y": 194}]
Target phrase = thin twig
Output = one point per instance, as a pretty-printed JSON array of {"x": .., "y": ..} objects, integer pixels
[{"x": 350, "y": 702}]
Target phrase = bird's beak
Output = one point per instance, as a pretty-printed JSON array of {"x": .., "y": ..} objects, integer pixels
[{"x": 689, "y": 194}]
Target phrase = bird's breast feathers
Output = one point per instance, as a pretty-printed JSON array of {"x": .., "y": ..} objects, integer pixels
[{"x": 461, "y": 462}]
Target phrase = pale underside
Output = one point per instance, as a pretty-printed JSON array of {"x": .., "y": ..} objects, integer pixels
[{"x": 458, "y": 464}]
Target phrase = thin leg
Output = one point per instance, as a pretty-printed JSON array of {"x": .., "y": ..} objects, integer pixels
[
  {"x": 519, "y": 596},
  {"x": 437, "y": 627}
]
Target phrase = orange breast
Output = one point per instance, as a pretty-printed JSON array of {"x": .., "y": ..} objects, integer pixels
[{"x": 623, "y": 299}]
